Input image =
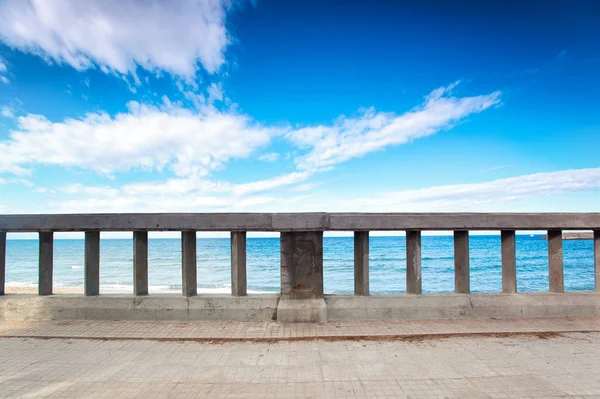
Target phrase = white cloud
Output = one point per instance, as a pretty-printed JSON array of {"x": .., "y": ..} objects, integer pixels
[
  {"x": 117, "y": 36},
  {"x": 269, "y": 157},
  {"x": 98, "y": 191},
  {"x": 269, "y": 184},
  {"x": 7, "y": 112},
  {"x": 305, "y": 187},
  {"x": 147, "y": 137},
  {"x": 371, "y": 131},
  {"x": 3, "y": 70},
  {"x": 461, "y": 197}
]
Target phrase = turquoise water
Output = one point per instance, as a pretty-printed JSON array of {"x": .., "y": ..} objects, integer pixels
[{"x": 387, "y": 264}]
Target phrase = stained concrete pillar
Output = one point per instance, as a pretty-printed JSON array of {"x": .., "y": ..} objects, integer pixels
[
  {"x": 189, "y": 284},
  {"x": 413, "y": 262},
  {"x": 509, "y": 261},
  {"x": 555, "y": 261},
  {"x": 302, "y": 278},
  {"x": 361, "y": 263},
  {"x": 140, "y": 263},
  {"x": 462, "y": 282},
  {"x": 302, "y": 265},
  {"x": 238, "y": 263},
  {"x": 2, "y": 261},
  {"x": 92, "y": 263},
  {"x": 596, "y": 259},
  {"x": 46, "y": 259}
]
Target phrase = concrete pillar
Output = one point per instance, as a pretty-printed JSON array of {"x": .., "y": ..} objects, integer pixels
[
  {"x": 238, "y": 263},
  {"x": 46, "y": 263},
  {"x": 462, "y": 282},
  {"x": 509, "y": 261},
  {"x": 413, "y": 262},
  {"x": 140, "y": 263},
  {"x": 361, "y": 263},
  {"x": 555, "y": 261},
  {"x": 596, "y": 259},
  {"x": 302, "y": 265},
  {"x": 2, "y": 261},
  {"x": 189, "y": 284},
  {"x": 92, "y": 263}
]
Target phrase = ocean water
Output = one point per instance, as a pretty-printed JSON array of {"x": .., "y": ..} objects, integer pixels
[{"x": 387, "y": 264}]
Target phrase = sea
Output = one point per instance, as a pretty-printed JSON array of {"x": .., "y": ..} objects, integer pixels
[{"x": 387, "y": 261}]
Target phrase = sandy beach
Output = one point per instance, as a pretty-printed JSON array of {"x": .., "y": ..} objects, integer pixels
[{"x": 34, "y": 290}]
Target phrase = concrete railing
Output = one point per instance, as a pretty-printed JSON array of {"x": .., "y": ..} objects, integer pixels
[{"x": 301, "y": 245}]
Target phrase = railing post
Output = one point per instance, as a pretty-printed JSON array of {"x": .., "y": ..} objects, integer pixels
[
  {"x": 301, "y": 265},
  {"x": 46, "y": 258},
  {"x": 2, "y": 261},
  {"x": 238, "y": 263},
  {"x": 140, "y": 263},
  {"x": 462, "y": 283},
  {"x": 361, "y": 263},
  {"x": 509, "y": 261},
  {"x": 597, "y": 259},
  {"x": 189, "y": 284},
  {"x": 413, "y": 262},
  {"x": 555, "y": 261},
  {"x": 92, "y": 263}
]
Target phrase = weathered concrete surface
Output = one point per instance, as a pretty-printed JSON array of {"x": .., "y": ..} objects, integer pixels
[
  {"x": 462, "y": 275},
  {"x": 46, "y": 261},
  {"x": 128, "y": 307},
  {"x": 2, "y": 261},
  {"x": 238, "y": 263},
  {"x": 548, "y": 366},
  {"x": 302, "y": 311},
  {"x": 264, "y": 307},
  {"x": 92, "y": 263},
  {"x": 189, "y": 266},
  {"x": 361, "y": 263},
  {"x": 450, "y": 306},
  {"x": 140, "y": 262},
  {"x": 555, "y": 261},
  {"x": 299, "y": 221},
  {"x": 301, "y": 265},
  {"x": 413, "y": 262},
  {"x": 509, "y": 261}
]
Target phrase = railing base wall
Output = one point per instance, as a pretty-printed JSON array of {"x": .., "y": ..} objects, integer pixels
[
  {"x": 151, "y": 308},
  {"x": 302, "y": 311},
  {"x": 462, "y": 306},
  {"x": 262, "y": 308}
]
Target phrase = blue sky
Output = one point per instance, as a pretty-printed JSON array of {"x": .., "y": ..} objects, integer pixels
[{"x": 291, "y": 106}]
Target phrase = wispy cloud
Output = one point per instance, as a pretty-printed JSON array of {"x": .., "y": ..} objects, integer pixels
[
  {"x": 269, "y": 157},
  {"x": 458, "y": 197},
  {"x": 3, "y": 70},
  {"x": 499, "y": 167},
  {"x": 371, "y": 131},
  {"x": 7, "y": 112},
  {"x": 175, "y": 37}
]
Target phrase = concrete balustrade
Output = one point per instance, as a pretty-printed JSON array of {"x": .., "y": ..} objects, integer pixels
[
  {"x": 301, "y": 297},
  {"x": 509, "y": 261},
  {"x": 140, "y": 263},
  {"x": 361, "y": 263},
  {"x": 91, "y": 264},
  {"x": 238, "y": 263}
]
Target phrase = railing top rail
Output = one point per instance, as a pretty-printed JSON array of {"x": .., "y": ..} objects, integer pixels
[{"x": 297, "y": 221}]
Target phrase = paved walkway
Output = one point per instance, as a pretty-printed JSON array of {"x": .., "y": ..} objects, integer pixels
[
  {"x": 245, "y": 331},
  {"x": 157, "y": 360}
]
